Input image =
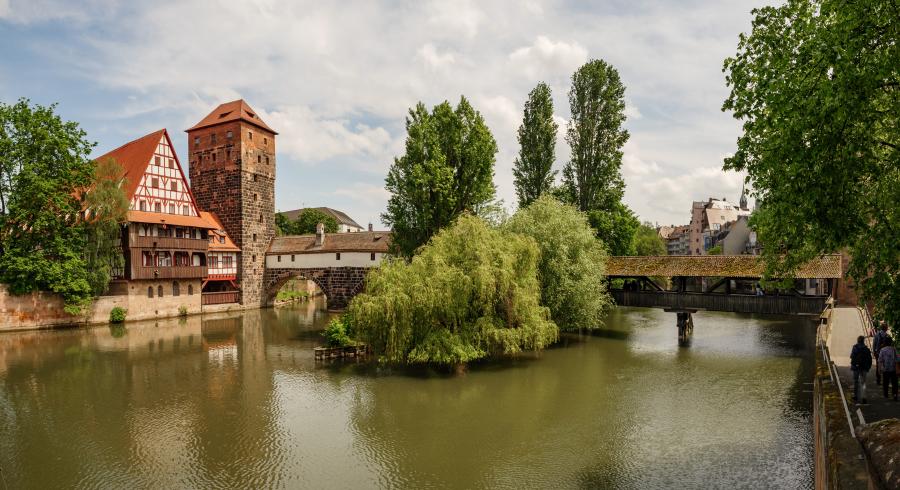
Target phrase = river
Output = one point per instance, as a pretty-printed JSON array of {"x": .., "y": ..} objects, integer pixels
[{"x": 237, "y": 401}]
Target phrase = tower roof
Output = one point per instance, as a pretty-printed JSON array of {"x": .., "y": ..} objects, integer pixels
[{"x": 236, "y": 110}]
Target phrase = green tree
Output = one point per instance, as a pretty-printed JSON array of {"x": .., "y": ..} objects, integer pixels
[
  {"x": 596, "y": 137},
  {"x": 572, "y": 262},
  {"x": 43, "y": 165},
  {"x": 471, "y": 292},
  {"x": 447, "y": 169},
  {"x": 306, "y": 223},
  {"x": 615, "y": 228},
  {"x": 532, "y": 170},
  {"x": 817, "y": 87},
  {"x": 648, "y": 242},
  {"x": 107, "y": 209}
]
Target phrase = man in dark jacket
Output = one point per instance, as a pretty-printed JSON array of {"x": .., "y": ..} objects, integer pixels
[{"x": 860, "y": 363}]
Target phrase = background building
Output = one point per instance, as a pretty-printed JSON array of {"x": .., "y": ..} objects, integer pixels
[{"x": 345, "y": 222}]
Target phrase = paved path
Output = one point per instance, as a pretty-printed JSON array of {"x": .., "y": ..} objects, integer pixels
[{"x": 847, "y": 324}]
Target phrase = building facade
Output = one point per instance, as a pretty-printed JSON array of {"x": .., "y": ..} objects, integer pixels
[{"x": 232, "y": 155}]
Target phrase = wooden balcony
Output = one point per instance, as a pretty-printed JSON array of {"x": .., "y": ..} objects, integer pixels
[
  {"x": 168, "y": 243},
  {"x": 174, "y": 272},
  {"x": 220, "y": 298},
  {"x": 217, "y": 276}
]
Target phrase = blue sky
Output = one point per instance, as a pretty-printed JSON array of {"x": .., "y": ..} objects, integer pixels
[{"x": 337, "y": 78}]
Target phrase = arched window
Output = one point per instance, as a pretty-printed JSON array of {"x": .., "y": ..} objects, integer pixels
[
  {"x": 190, "y": 289},
  {"x": 176, "y": 290},
  {"x": 150, "y": 292},
  {"x": 159, "y": 291}
]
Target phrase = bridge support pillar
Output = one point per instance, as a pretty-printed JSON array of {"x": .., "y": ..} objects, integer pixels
[{"x": 685, "y": 323}]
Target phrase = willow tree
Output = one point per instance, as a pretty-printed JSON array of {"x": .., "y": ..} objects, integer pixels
[
  {"x": 572, "y": 264},
  {"x": 816, "y": 85},
  {"x": 446, "y": 170},
  {"x": 106, "y": 211},
  {"x": 471, "y": 292}
]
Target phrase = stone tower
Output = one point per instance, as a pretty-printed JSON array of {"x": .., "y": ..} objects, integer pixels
[{"x": 232, "y": 170}]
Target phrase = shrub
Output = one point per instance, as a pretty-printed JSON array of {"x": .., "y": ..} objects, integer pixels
[
  {"x": 338, "y": 333},
  {"x": 117, "y": 314},
  {"x": 471, "y": 292},
  {"x": 182, "y": 310},
  {"x": 572, "y": 262}
]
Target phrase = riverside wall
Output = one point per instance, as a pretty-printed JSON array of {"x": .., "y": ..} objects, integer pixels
[{"x": 46, "y": 310}]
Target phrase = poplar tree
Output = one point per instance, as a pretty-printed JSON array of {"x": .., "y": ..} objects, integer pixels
[
  {"x": 537, "y": 147},
  {"x": 446, "y": 170},
  {"x": 595, "y": 134}
]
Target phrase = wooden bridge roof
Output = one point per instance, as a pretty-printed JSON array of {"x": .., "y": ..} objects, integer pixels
[
  {"x": 359, "y": 241},
  {"x": 749, "y": 266}
]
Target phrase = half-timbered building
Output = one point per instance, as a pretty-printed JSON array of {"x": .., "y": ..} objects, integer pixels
[
  {"x": 166, "y": 240},
  {"x": 222, "y": 261}
]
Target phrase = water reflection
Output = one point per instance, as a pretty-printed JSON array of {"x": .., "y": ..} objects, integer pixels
[{"x": 237, "y": 400}]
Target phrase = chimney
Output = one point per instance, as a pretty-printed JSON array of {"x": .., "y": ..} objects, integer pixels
[
  {"x": 320, "y": 235},
  {"x": 370, "y": 226}
]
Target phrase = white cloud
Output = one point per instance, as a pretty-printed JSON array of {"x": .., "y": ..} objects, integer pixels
[
  {"x": 433, "y": 59},
  {"x": 548, "y": 59},
  {"x": 336, "y": 79}
]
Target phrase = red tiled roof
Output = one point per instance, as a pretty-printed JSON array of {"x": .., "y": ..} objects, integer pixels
[
  {"x": 134, "y": 158},
  {"x": 219, "y": 231},
  {"x": 749, "y": 266},
  {"x": 360, "y": 241},
  {"x": 232, "y": 111},
  {"x": 169, "y": 219}
]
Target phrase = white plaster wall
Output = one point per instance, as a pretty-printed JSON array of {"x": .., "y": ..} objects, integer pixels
[{"x": 305, "y": 261}]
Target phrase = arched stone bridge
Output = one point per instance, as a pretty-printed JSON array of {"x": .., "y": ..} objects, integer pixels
[{"x": 340, "y": 284}]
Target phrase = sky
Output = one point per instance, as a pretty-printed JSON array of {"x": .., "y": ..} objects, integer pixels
[{"x": 337, "y": 79}]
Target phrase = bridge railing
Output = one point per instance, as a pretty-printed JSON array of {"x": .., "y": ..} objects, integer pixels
[{"x": 738, "y": 303}]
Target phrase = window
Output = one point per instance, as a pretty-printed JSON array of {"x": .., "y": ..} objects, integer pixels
[
  {"x": 265, "y": 141},
  {"x": 227, "y": 155},
  {"x": 159, "y": 291},
  {"x": 249, "y": 135},
  {"x": 267, "y": 160},
  {"x": 212, "y": 138},
  {"x": 258, "y": 158},
  {"x": 156, "y": 161},
  {"x": 196, "y": 141},
  {"x": 228, "y": 135},
  {"x": 254, "y": 177},
  {"x": 142, "y": 230},
  {"x": 279, "y": 258},
  {"x": 176, "y": 290},
  {"x": 221, "y": 239},
  {"x": 372, "y": 256},
  {"x": 337, "y": 256},
  {"x": 190, "y": 289},
  {"x": 179, "y": 233},
  {"x": 154, "y": 183},
  {"x": 171, "y": 209},
  {"x": 171, "y": 163},
  {"x": 254, "y": 237},
  {"x": 254, "y": 258},
  {"x": 185, "y": 210},
  {"x": 147, "y": 259},
  {"x": 173, "y": 186},
  {"x": 164, "y": 259},
  {"x": 292, "y": 258},
  {"x": 143, "y": 205},
  {"x": 226, "y": 262},
  {"x": 150, "y": 292},
  {"x": 260, "y": 218},
  {"x": 213, "y": 261},
  {"x": 157, "y": 207},
  {"x": 255, "y": 197},
  {"x": 214, "y": 156}
]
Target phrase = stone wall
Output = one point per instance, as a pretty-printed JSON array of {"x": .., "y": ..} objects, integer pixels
[
  {"x": 239, "y": 186},
  {"x": 340, "y": 284},
  {"x": 45, "y": 310}
]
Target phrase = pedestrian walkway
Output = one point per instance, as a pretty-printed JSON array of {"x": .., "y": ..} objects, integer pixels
[{"x": 845, "y": 325}]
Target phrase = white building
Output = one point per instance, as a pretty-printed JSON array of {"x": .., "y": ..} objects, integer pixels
[
  {"x": 345, "y": 223},
  {"x": 360, "y": 249}
]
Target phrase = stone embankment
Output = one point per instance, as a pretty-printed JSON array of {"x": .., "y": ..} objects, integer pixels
[{"x": 852, "y": 450}]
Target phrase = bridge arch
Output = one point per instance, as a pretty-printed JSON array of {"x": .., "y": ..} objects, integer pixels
[
  {"x": 339, "y": 284},
  {"x": 277, "y": 280}
]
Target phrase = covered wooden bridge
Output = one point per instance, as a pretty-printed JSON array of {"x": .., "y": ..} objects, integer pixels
[{"x": 719, "y": 283}]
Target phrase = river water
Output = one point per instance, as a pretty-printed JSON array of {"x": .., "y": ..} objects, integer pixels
[{"x": 239, "y": 402}]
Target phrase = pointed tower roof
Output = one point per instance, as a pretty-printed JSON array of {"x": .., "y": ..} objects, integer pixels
[
  {"x": 134, "y": 158},
  {"x": 232, "y": 111},
  {"x": 743, "y": 201}
]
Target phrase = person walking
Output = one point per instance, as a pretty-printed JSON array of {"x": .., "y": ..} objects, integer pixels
[
  {"x": 877, "y": 343},
  {"x": 860, "y": 364},
  {"x": 887, "y": 363}
]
